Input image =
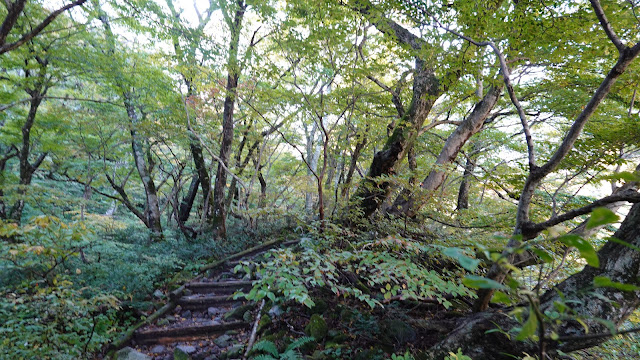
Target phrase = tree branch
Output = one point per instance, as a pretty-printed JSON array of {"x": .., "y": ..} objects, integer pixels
[
  {"x": 606, "y": 26},
  {"x": 389, "y": 27},
  {"x": 6, "y": 27},
  {"x": 629, "y": 195}
]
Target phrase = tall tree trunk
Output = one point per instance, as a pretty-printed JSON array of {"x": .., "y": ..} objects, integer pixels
[
  {"x": 263, "y": 190},
  {"x": 187, "y": 58},
  {"x": 26, "y": 167},
  {"x": 239, "y": 167},
  {"x": 427, "y": 88},
  {"x": 313, "y": 155},
  {"x": 202, "y": 171},
  {"x": 218, "y": 219},
  {"x": 8, "y": 155}
]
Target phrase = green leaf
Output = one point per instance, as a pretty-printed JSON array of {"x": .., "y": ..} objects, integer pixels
[
  {"x": 584, "y": 247},
  {"x": 625, "y": 175},
  {"x": 479, "y": 282},
  {"x": 618, "y": 241},
  {"x": 529, "y": 327},
  {"x": 601, "y": 216},
  {"x": 458, "y": 254},
  {"x": 542, "y": 255},
  {"x": 603, "y": 281},
  {"x": 501, "y": 298}
]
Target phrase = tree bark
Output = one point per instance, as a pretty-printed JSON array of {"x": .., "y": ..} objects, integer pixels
[
  {"x": 470, "y": 126},
  {"x": 218, "y": 219},
  {"x": 352, "y": 166},
  {"x": 313, "y": 155},
  {"x": 187, "y": 202},
  {"x": 465, "y": 184},
  {"x": 202, "y": 171}
]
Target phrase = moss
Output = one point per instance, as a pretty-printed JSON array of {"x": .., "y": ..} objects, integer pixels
[
  {"x": 180, "y": 355},
  {"x": 317, "y": 327},
  {"x": 238, "y": 313},
  {"x": 320, "y": 307},
  {"x": 397, "y": 332},
  {"x": 264, "y": 322}
]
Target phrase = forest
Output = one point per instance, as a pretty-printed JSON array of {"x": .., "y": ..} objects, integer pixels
[{"x": 319, "y": 179}]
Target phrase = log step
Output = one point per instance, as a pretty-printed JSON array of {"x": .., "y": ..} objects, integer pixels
[
  {"x": 224, "y": 287},
  {"x": 203, "y": 302},
  {"x": 167, "y": 336}
]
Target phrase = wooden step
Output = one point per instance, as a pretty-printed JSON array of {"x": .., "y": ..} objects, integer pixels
[
  {"x": 171, "y": 335},
  {"x": 222, "y": 287},
  {"x": 203, "y": 302}
]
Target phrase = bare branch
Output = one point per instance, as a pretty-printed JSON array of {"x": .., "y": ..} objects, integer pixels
[{"x": 629, "y": 195}]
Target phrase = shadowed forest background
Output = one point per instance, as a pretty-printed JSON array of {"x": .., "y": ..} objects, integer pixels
[{"x": 459, "y": 179}]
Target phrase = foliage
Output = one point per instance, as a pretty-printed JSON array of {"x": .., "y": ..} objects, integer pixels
[
  {"x": 271, "y": 350},
  {"x": 457, "y": 356},
  {"x": 392, "y": 266},
  {"x": 44, "y": 315}
]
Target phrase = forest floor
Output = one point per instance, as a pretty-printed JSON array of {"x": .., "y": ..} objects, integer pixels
[{"x": 203, "y": 320}]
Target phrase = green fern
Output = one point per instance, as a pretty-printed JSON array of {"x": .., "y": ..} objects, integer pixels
[
  {"x": 266, "y": 346},
  {"x": 290, "y": 353},
  {"x": 264, "y": 357},
  {"x": 300, "y": 342}
]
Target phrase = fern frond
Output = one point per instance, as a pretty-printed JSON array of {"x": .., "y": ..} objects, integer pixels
[
  {"x": 300, "y": 342},
  {"x": 291, "y": 354},
  {"x": 266, "y": 346},
  {"x": 263, "y": 357}
]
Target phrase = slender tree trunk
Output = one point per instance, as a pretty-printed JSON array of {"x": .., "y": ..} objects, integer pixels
[
  {"x": 313, "y": 155},
  {"x": 239, "y": 167},
  {"x": 202, "y": 171},
  {"x": 26, "y": 168},
  {"x": 9, "y": 154},
  {"x": 352, "y": 166},
  {"x": 187, "y": 202},
  {"x": 187, "y": 58},
  {"x": 263, "y": 190},
  {"x": 218, "y": 219},
  {"x": 463, "y": 191},
  {"x": 152, "y": 205}
]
